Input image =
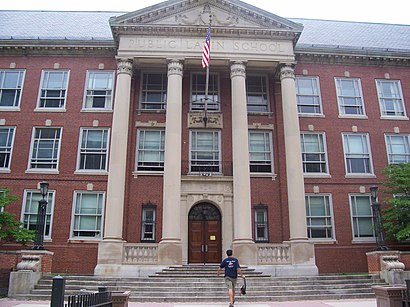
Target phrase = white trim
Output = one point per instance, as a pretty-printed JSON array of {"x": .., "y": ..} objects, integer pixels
[
  {"x": 360, "y": 91},
  {"x": 218, "y": 82},
  {"x": 105, "y": 109},
  {"x": 365, "y": 239},
  {"x": 403, "y": 135},
  {"x": 141, "y": 91},
  {"x": 268, "y": 104},
  {"x": 311, "y": 174},
  {"x": 219, "y": 149},
  {"x": 332, "y": 217},
  {"x": 319, "y": 94},
  {"x": 146, "y": 172},
  {"x": 263, "y": 174},
  {"x": 8, "y": 169},
  {"x": 17, "y": 107},
  {"x": 403, "y": 104},
  {"x": 347, "y": 174},
  {"x": 92, "y": 171},
  {"x": 48, "y": 109}
]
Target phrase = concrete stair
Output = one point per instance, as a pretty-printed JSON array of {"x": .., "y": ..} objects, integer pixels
[{"x": 198, "y": 283}]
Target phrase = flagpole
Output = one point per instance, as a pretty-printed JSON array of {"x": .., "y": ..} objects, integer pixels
[{"x": 207, "y": 77}]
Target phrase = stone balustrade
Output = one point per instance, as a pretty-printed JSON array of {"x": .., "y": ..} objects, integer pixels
[
  {"x": 273, "y": 254},
  {"x": 145, "y": 253}
]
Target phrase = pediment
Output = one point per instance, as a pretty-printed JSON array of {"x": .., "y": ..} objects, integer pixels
[{"x": 186, "y": 17}]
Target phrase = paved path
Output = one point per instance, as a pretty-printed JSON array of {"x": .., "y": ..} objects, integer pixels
[{"x": 5, "y": 302}]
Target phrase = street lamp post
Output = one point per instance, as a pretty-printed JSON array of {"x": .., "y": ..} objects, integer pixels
[
  {"x": 377, "y": 220},
  {"x": 41, "y": 217}
]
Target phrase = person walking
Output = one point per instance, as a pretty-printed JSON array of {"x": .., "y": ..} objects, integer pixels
[{"x": 232, "y": 268}]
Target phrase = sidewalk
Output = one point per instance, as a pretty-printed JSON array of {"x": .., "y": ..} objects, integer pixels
[{"x": 6, "y": 302}]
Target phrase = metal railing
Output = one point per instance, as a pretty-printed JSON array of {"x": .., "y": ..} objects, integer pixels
[
  {"x": 206, "y": 168},
  {"x": 91, "y": 299}
]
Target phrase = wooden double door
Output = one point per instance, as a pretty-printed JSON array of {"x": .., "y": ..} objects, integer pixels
[{"x": 204, "y": 234}]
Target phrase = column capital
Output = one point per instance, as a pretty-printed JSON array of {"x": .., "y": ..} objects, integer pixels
[
  {"x": 287, "y": 71},
  {"x": 175, "y": 67},
  {"x": 124, "y": 66},
  {"x": 238, "y": 69}
]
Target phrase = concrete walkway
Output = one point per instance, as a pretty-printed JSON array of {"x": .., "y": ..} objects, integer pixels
[{"x": 6, "y": 302}]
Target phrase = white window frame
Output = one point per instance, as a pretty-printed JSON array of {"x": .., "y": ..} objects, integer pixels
[
  {"x": 321, "y": 135},
  {"x": 390, "y": 148},
  {"x": 207, "y": 168},
  {"x": 18, "y": 89},
  {"x": 93, "y": 151},
  {"x": 90, "y": 91},
  {"x": 62, "y": 98},
  {"x": 329, "y": 217},
  {"x": 100, "y": 195},
  {"x": 315, "y": 95},
  {"x": 267, "y": 135},
  {"x": 351, "y": 155},
  {"x": 354, "y": 219},
  {"x": 8, "y": 148},
  {"x": 263, "y": 93},
  {"x": 144, "y": 222},
  {"x": 156, "y": 105},
  {"x": 358, "y": 97},
  {"x": 56, "y": 157},
  {"x": 27, "y": 197},
  {"x": 265, "y": 224},
  {"x": 198, "y": 104},
  {"x": 159, "y": 168},
  {"x": 399, "y": 100}
]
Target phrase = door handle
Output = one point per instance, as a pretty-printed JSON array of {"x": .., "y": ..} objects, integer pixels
[
  {"x": 206, "y": 248},
  {"x": 202, "y": 248}
]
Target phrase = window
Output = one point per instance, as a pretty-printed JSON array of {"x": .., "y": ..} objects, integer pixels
[
  {"x": 148, "y": 223},
  {"x": 6, "y": 146},
  {"x": 205, "y": 153},
  {"x": 257, "y": 93},
  {"x": 98, "y": 90},
  {"x": 93, "y": 149},
  {"x": 150, "y": 155},
  {"x": 11, "y": 83},
  {"x": 308, "y": 95},
  {"x": 349, "y": 96},
  {"x": 390, "y": 98},
  {"x": 357, "y": 154},
  {"x": 319, "y": 217},
  {"x": 261, "y": 223},
  {"x": 154, "y": 91},
  {"x": 45, "y": 148},
  {"x": 362, "y": 217},
  {"x": 198, "y": 86},
  {"x": 88, "y": 215},
  {"x": 314, "y": 156},
  {"x": 30, "y": 210},
  {"x": 260, "y": 152},
  {"x": 53, "y": 91},
  {"x": 398, "y": 148}
]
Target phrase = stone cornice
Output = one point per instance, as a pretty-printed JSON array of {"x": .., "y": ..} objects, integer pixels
[
  {"x": 57, "y": 47},
  {"x": 352, "y": 56}
]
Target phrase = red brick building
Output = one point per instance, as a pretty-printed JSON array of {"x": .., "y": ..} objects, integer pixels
[{"x": 146, "y": 168}]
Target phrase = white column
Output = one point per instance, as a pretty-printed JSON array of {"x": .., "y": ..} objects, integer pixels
[
  {"x": 243, "y": 244},
  {"x": 170, "y": 249},
  {"x": 118, "y": 152},
  {"x": 294, "y": 170}
]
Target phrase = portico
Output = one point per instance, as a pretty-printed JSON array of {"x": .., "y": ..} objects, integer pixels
[{"x": 174, "y": 41}]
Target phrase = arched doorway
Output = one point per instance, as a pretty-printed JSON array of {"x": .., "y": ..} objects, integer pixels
[{"x": 204, "y": 234}]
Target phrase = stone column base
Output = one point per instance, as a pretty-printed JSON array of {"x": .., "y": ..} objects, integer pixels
[
  {"x": 246, "y": 251},
  {"x": 22, "y": 282},
  {"x": 302, "y": 252},
  {"x": 110, "y": 255},
  {"x": 388, "y": 296},
  {"x": 170, "y": 252}
]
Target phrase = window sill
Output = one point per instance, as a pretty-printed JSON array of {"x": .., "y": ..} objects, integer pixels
[
  {"x": 311, "y": 115},
  {"x": 394, "y": 117},
  {"x": 54, "y": 110},
  {"x": 79, "y": 240},
  {"x": 323, "y": 241},
  {"x": 260, "y": 113},
  {"x": 151, "y": 111},
  {"x": 89, "y": 172},
  {"x": 316, "y": 175},
  {"x": 141, "y": 173},
  {"x": 91, "y": 110},
  {"x": 264, "y": 175},
  {"x": 10, "y": 109},
  {"x": 360, "y": 176},
  {"x": 353, "y": 116},
  {"x": 5, "y": 171},
  {"x": 42, "y": 171},
  {"x": 364, "y": 241}
]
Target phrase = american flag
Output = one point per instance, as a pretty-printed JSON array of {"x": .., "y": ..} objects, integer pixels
[{"x": 207, "y": 49}]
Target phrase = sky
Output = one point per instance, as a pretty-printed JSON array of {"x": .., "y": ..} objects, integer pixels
[{"x": 376, "y": 11}]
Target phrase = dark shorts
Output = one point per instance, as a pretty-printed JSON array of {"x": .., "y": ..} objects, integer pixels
[{"x": 230, "y": 282}]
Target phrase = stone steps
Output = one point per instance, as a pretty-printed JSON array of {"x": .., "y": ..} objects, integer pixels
[{"x": 200, "y": 284}]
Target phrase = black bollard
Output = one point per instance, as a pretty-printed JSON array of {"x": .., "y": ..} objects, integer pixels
[{"x": 57, "y": 294}]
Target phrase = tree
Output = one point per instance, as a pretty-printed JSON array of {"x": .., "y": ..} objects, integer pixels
[
  {"x": 397, "y": 216},
  {"x": 11, "y": 229}
]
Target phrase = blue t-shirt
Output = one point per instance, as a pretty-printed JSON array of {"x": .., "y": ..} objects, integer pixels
[{"x": 231, "y": 266}]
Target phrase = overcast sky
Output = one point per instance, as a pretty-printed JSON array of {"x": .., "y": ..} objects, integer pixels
[{"x": 379, "y": 11}]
